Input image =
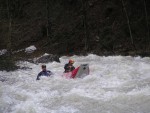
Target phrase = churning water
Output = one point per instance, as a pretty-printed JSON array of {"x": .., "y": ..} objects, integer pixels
[{"x": 116, "y": 84}]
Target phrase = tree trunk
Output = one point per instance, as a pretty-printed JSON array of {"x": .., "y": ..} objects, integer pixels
[
  {"x": 48, "y": 26},
  {"x": 9, "y": 28},
  {"x": 84, "y": 18},
  {"x": 148, "y": 33},
  {"x": 129, "y": 26}
]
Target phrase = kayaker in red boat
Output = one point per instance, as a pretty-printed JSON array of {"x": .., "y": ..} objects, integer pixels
[{"x": 69, "y": 66}]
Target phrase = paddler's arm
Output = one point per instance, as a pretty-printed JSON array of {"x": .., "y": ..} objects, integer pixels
[
  {"x": 38, "y": 76},
  {"x": 66, "y": 67},
  {"x": 50, "y": 73}
]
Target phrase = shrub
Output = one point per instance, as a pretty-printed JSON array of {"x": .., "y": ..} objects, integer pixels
[{"x": 7, "y": 63}]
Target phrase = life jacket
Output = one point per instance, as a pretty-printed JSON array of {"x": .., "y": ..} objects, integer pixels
[
  {"x": 44, "y": 73},
  {"x": 68, "y": 68}
]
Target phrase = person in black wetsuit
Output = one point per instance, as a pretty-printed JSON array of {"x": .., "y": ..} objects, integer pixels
[
  {"x": 44, "y": 72},
  {"x": 69, "y": 66}
]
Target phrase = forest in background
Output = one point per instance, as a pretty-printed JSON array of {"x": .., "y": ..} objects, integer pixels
[{"x": 62, "y": 27}]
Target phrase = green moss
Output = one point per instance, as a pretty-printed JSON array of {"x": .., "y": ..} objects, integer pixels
[{"x": 7, "y": 63}]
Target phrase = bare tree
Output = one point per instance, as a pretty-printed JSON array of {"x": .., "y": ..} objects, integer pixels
[
  {"x": 129, "y": 26},
  {"x": 48, "y": 25},
  {"x": 84, "y": 17},
  {"x": 9, "y": 27},
  {"x": 147, "y": 23}
]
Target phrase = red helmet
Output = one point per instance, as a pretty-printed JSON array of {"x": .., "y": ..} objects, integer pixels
[{"x": 71, "y": 61}]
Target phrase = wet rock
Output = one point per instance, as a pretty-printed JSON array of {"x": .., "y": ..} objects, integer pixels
[
  {"x": 25, "y": 68},
  {"x": 48, "y": 58}
]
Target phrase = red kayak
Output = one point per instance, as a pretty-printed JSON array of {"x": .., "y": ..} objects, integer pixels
[{"x": 79, "y": 72}]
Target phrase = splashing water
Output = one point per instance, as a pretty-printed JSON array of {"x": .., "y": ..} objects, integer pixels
[{"x": 116, "y": 84}]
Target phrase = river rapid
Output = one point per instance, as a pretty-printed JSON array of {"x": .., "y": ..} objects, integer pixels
[{"x": 116, "y": 84}]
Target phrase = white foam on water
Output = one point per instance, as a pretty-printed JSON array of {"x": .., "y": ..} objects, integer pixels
[{"x": 116, "y": 84}]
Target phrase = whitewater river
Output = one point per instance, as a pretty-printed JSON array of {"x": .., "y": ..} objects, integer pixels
[{"x": 116, "y": 84}]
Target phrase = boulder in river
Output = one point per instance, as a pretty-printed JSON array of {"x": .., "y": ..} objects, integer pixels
[{"x": 48, "y": 58}]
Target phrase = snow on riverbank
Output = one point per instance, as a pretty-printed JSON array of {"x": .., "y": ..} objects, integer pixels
[
  {"x": 3, "y": 51},
  {"x": 30, "y": 49}
]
